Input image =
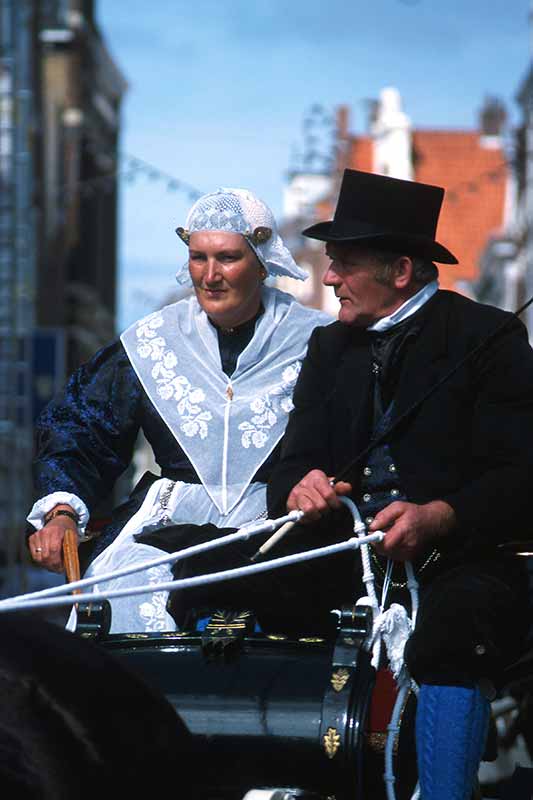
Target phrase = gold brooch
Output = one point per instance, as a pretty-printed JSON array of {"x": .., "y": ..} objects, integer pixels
[
  {"x": 184, "y": 234},
  {"x": 260, "y": 235}
]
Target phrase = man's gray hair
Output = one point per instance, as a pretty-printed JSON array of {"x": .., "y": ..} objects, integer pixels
[{"x": 424, "y": 270}]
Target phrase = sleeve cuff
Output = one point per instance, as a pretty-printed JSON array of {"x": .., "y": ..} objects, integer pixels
[{"x": 46, "y": 504}]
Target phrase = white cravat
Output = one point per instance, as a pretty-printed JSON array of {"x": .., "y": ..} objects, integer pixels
[{"x": 406, "y": 309}]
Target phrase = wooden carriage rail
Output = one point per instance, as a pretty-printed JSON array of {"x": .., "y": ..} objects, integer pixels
[{"x": 71, "y": 558}]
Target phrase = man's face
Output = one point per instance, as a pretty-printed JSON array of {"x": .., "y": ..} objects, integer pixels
[{"x": 352, "y": 274}]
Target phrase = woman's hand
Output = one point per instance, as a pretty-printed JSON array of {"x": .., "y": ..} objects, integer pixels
[{"x": 46, "y": 545}]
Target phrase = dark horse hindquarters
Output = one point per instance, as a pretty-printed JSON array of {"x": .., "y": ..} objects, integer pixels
[{"x": 75, "y": 722}]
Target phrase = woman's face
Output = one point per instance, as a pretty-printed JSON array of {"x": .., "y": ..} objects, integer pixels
[{"x": 226, "y": 276}]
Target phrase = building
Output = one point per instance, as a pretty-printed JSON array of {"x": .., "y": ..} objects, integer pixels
[
  {"x": 523, "y": 233},
  {"x": 471, "y": 165},
  {"x": 80, "y": 91},
  {"x": 506, "y": 267},
  {"x": 18, "y": 240},
  {"x": 60, "y": 96}
]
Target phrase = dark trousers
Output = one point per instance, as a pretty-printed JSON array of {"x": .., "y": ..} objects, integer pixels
[{"x": 472, "y": 623}]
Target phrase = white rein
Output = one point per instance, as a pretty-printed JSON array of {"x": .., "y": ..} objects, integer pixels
[
  {"x": 385, "y": 625},
  {"x": 49, "y": 597}
]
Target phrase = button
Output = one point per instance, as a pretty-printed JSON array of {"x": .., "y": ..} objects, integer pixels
[
  {"x": 369, "y": 520},
  {"x": 367, "y": 498},
  {"x": 479, "y": 650},
  {"x": 392, "y": 467},
  {"x": 367, "y": 471},
  {"x": 394, "y": 492},
  {"x": 375, "y": 368}
]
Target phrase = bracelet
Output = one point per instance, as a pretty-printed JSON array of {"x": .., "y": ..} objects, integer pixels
[{"x": 63, "y": 513}]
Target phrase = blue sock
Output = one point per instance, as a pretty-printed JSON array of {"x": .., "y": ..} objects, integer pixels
[{"x": 451, "y": 729}]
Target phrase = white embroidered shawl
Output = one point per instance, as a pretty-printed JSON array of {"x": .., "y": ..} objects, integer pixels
[{"x": 227, "y": 426}]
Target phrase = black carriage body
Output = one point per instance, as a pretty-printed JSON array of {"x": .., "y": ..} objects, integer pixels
[{"x": 280, "y": 713}]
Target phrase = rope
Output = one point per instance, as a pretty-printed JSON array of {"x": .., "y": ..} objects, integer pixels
[
  {"x": 199, "y": 580},
  {"x": 380, "y": 619},
  {"x": 247, "y": 531}
]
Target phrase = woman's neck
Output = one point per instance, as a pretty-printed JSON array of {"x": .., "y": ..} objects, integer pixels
[{"x": 229, "y": 329}]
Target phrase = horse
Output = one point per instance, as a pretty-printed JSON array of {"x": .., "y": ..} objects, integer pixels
[{"x": 75, "y": 722}]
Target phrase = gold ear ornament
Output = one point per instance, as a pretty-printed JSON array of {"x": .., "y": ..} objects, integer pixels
[
  {"x": 260, "y": 235},
  {"x": 184, "y": 235}
]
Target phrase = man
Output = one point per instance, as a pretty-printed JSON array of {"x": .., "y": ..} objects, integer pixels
[{"x": 448, "y": 458}]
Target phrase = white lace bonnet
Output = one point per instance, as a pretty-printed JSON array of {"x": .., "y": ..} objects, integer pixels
[{"x": 239, "y": 211}]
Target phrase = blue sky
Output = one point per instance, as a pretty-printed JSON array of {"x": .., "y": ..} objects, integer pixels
[{"x": 218, "y": 90}]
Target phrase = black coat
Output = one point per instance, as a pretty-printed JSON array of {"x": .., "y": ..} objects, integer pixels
[{"x": 470, "y": 443}]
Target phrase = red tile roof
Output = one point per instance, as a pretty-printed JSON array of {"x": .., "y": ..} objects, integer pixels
[{"x": 475, "y": 179}]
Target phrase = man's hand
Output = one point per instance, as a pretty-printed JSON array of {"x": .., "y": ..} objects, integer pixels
[
  {"x": 46, "y": 545},
  {"x": 315, "y": 496},
  {"x": 411, "y": 528}
]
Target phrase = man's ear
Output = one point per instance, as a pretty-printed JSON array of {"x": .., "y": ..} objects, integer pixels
[{"x": 403, "y": 272}]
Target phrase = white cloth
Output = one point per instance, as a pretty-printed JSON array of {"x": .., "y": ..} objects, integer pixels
[
  {"x": 226, "y": 426},
  {"x": 186, "y": 503},
  {"x": 240, "y": 211},
  {"x": 408, "y": 308},
  {"x": 395, "y": 628},
  {"x": 45, "y": 504}
]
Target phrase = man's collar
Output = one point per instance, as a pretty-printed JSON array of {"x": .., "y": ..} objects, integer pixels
[{"x": 408, "y": 308}]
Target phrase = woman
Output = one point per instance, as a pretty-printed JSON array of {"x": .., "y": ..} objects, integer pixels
[{"x": 208, "y": 379}]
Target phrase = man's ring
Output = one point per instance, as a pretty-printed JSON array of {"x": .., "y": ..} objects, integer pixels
[{"x": 38, "y": 549}]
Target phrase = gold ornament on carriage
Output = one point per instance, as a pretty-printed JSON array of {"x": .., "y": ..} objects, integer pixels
[
  {"x": 339, "y": 679},
  {"x": 332, "y": 742}
]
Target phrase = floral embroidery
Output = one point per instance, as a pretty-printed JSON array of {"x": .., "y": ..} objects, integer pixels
[
  {"x": 150, "y": 344},
  {"x": 267, "y": 408},
  {"x": 153, "y": 612},
  {"x": 189, "y": 399},
  {"x": 170, "y": 385}
]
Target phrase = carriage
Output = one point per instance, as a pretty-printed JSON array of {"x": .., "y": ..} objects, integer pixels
[
  {"x": 305, "y": 716},
  {"x": 298, "y": 717},
  {"x": 286, "y": 716}
]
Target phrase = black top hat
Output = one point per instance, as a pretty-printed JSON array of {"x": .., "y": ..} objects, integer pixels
[{"x": 388, "y": 213}]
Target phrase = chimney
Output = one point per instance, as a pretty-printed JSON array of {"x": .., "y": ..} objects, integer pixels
[
  {"x": 492, "y": 117},
  {"x": 342, "y": 122}
]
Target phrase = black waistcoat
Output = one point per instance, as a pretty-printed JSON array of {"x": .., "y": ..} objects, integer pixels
[{"x": 380, "y": 481}]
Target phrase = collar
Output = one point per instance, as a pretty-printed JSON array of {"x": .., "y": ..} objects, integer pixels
[
  {"x": 243, "y": 328},
  {"x": 406, "y": 309}
]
